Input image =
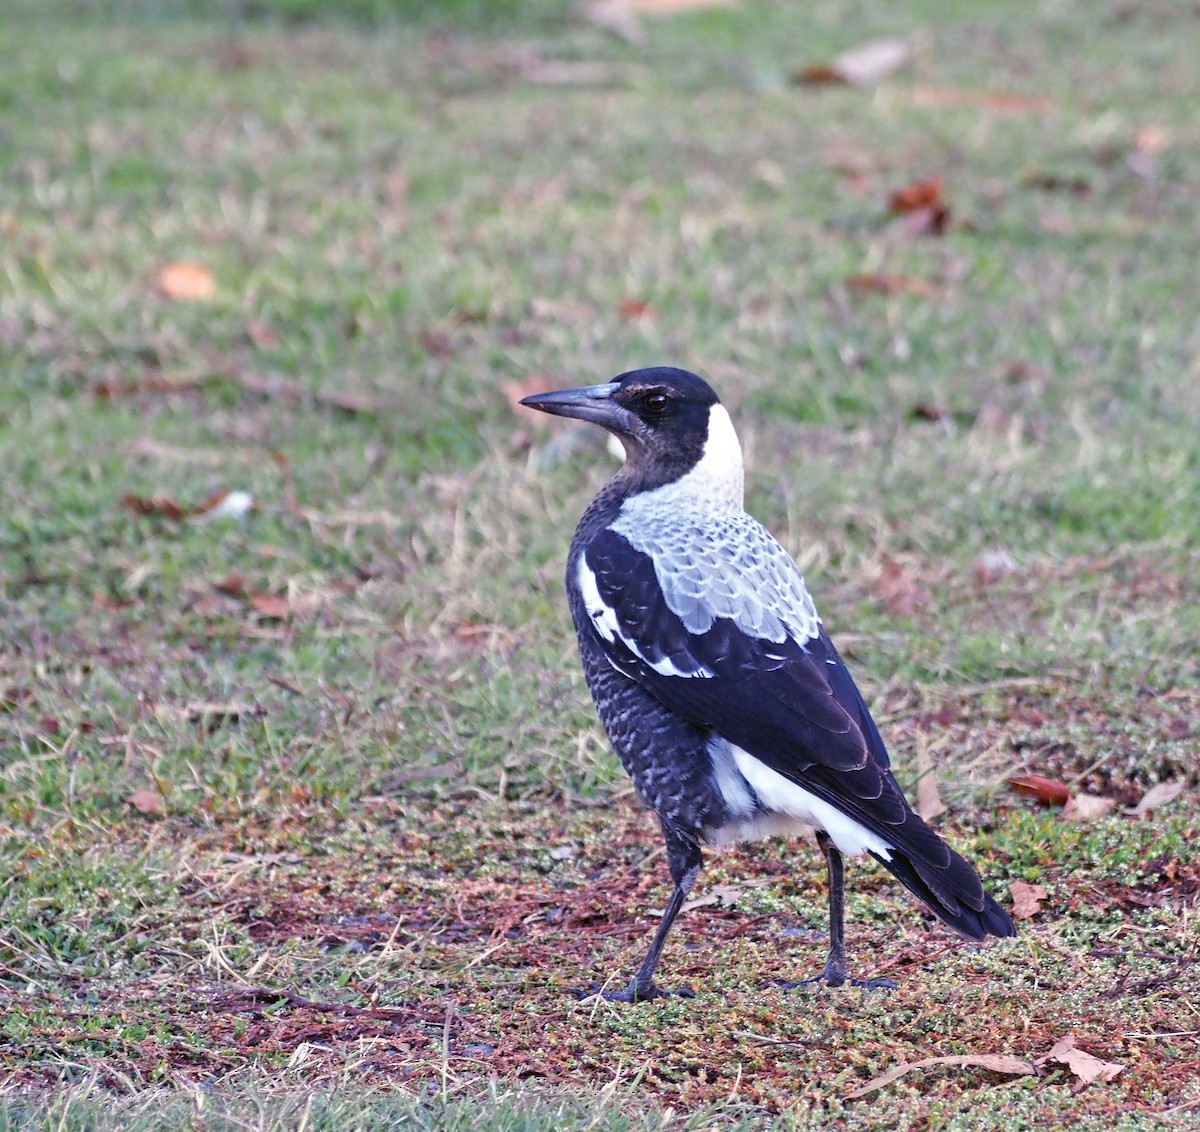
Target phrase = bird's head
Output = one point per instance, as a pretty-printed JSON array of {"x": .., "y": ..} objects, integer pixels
[{"x": 674, "y": 430}]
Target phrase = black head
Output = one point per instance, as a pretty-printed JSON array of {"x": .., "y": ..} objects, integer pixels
[{"x": 661, "y": 416}]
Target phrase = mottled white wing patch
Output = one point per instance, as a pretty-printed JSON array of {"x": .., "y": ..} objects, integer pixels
[
  {"x": 720, "y": 564},
  {"x": 604, "y": 618}
]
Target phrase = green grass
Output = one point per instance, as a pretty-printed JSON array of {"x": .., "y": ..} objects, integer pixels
[{"x": 389, "y": 837}]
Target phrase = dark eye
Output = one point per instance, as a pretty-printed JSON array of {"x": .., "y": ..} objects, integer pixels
[{"x": 655, "y": 402}]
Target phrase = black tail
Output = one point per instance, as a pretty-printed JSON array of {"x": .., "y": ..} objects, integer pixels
[{"x": 946, "y": 882}]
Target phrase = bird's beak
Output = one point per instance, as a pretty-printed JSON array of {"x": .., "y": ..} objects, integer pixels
[{"x": 590, "y": 403}]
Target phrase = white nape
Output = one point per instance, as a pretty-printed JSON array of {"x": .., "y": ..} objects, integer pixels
[{"x": 718, "y": 477}]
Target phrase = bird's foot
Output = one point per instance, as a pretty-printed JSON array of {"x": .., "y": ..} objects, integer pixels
[{"x": 635, "y": 992}]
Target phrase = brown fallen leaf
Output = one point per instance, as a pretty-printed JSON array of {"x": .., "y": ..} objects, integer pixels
[
  {"x": 475, "y": 635},
  {"x": 929, "y": 799},
  {"x": 110, "y": 604},
  {"x": 900, "y": 594},
  {"x": 922, "y": 207},
  {"x": 233, "y": 584},
  {"x": 919, "y": 194},
  {"x": 993, "y": 1062},
  {"x": 930, "y": 221},
  {"x": 930, "y": 411},
  {"x": 720, "y": 895},
  {"x": 187, "y": 282},
  {"x": 634, "y": 310},
  {"x": 1157, "y": 796},
  {"x": 1048, "y": 791},
  {"x": 147, "y": 802},
  {"x": 271, "y": 606},
  {"x": 1087, "y": 1067},
  {"x": 158, "y": 505},
  {"x": 866, "y": 65},
  {"x": 1087, "y": 808},
  {"x": 1027, "y": 899}
]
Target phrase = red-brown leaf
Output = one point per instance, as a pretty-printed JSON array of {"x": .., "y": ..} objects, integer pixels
[
  {"x": 920, "y": 194},
  {"x": 271, "y": 606},
  {"x": 900, "y": 594},
  {"x": 1047, "y": 791},
  {"x": 233, "y": 584},
  {"x": 631, "y": 310},
  {"x": 158, "y": 505}
]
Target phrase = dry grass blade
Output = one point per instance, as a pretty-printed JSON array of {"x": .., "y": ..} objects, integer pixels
[{"x": 993, "y": 1062}]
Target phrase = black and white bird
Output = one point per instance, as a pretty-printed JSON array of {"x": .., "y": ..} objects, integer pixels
[{"x": 712, "y": 674}]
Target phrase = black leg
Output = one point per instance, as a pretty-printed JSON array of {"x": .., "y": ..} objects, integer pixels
[
  {"x": 684, "y": 859},
  {"x": 837, "y": 969}
]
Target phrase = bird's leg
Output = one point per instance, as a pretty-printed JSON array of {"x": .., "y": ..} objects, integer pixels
[
  {"x": 684, "y": 859},
  {"x": 836, "y": 970}
]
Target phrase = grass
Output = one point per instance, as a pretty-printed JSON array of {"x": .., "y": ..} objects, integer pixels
[{"x": 305, "y": 819}]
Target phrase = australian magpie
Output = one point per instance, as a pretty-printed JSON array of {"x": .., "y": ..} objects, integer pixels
[{"x": 712, "y": 674}]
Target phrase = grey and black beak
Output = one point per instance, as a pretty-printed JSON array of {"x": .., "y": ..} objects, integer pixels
[{"x": 589, "y": 403}]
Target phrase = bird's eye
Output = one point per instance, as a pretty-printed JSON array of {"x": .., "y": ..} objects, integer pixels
[{"x": 655, "y": 402}]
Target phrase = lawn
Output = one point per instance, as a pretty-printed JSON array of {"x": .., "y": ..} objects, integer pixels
[{"x": 305, "y": 816}]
